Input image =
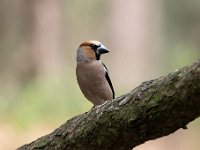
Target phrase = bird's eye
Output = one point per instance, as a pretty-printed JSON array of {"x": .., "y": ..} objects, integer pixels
[{"x": 93, "y": 46}]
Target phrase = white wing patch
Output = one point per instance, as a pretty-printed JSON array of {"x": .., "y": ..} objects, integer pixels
[{"x": 105, "y": 69}]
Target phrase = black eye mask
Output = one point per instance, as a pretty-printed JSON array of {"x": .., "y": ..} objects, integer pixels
[{"x": 94, "y": 47}]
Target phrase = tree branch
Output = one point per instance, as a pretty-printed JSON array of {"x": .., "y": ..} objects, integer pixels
[{"x": 154, "y": 109}]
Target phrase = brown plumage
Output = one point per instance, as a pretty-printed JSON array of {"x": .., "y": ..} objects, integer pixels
[{"x": 92, "y": 74}]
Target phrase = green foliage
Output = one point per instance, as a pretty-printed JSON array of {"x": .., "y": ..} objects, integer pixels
[
  {"x": 183, "y": 54},
  {"x": 46, "y": 100}
]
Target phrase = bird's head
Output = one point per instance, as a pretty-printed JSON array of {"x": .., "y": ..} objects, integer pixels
[{"x": 90, "y": 50}]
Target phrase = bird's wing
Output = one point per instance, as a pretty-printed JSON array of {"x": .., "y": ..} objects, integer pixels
[{"x": 108, "y": 79}]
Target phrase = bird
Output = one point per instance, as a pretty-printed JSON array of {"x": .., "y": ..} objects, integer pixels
[{"x": 92, "y": 74}]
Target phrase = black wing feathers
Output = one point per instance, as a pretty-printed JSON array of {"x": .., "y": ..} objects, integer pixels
[{"x": 109, "y": 81}]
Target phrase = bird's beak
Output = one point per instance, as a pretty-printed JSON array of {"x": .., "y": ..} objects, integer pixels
[{"x": 102, "y": 50}]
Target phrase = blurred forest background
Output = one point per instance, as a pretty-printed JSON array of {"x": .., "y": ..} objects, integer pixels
[{"x": 38, "y": 42}]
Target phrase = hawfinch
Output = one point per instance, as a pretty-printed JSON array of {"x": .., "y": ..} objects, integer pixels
[{"x": 92, "y": 74}]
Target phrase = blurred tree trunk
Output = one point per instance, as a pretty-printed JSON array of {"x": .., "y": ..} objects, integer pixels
[
  {"x": 30, "y": 40},
  {"x": 138, "y": 28},
  {"x": 154, "y": 109},
  {"x": 44, "y": 34}
]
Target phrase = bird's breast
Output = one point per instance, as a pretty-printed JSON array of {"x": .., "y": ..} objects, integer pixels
[
  {"x": 90, "y": 73},
  {"x": 92, "y": 81}
]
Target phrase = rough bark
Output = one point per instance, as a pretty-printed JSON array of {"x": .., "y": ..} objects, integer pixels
[{"x": 154, "y": 109}]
